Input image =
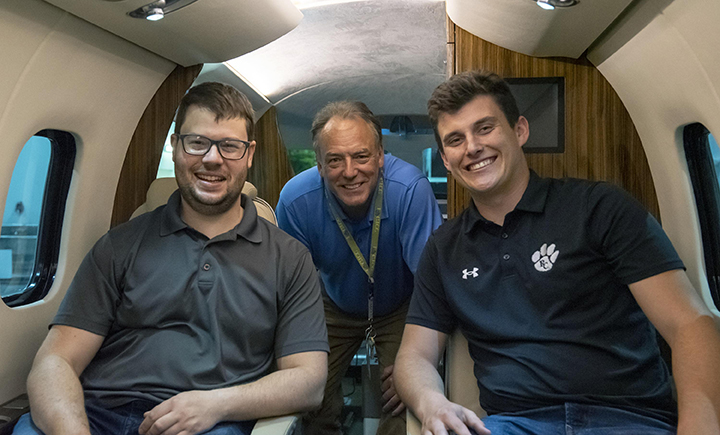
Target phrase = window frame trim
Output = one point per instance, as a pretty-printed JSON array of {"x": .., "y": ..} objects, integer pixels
[{"x": 57, "y": 187}]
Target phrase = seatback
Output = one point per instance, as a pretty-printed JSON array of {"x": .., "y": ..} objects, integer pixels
[
  {"x": 460, "y": 383},
  {"x": 161, "y": 189}
]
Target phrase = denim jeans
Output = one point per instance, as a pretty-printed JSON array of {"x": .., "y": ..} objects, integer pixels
[
  {"x": 125, "y": 420},
  {"x": 576, "y": 419}
]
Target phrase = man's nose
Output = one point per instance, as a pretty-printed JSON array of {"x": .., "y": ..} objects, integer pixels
[
  {"x": 474, "y": 145},
  {"x": 349, "y": 168},
  {"x": 213, "y": 155}
]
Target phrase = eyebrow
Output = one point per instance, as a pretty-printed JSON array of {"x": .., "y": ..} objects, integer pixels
[
  {"x": 484, "y": 120},
  {"x": 355, "y": 154}
]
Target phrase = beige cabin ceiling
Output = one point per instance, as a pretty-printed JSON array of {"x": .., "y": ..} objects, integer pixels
[
  {"x": 203, "y": 32},
  {"x": 520, "y": 25}
]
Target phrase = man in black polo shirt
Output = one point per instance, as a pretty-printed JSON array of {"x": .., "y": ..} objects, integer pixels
[
  {"x": 196, "y": 317},
  {"x": 553, "y": 283}
]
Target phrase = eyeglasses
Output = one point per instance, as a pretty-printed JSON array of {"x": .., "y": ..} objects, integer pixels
[{"x": 229, "y": 149}]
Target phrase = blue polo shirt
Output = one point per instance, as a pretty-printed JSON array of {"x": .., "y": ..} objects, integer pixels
[
  {"x": 544, "y": 299},
  {"x": 410, "y": 213}
]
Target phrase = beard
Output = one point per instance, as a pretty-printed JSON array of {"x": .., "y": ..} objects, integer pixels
[{"x": 209, "y": 207}]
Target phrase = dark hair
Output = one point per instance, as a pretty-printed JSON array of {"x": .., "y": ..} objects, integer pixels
[
  {"x": 344, "y": 110},
  {"x": 223, "y": 100},
  {"x": 462, "y": 88}
]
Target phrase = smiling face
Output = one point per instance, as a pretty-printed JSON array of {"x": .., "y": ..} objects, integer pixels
[
  {"x": 482, "y": 151},
  {"x": 350, "y": 160},
  {"x": 209, "y": 184}
]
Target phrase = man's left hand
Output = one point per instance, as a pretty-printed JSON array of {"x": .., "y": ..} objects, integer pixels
[
  {"x": 390, "y": 397},
  {"x": 187, "y": 413}
]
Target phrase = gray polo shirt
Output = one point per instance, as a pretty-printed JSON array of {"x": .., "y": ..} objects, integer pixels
[{"x": 180, "y": 312}]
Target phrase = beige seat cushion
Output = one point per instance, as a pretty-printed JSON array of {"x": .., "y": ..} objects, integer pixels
[{"x": 161, "y": 189}]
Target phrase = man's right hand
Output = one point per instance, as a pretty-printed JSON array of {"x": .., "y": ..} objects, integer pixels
[{"x": 451, "y": 417}]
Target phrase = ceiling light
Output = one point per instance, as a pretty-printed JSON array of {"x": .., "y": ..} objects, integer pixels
[
  {"x": 552, "y": 4},
  {"x": 545, "y": 5},
  {"x": 158, "y": 9},
  {"x": 155, "y": 14}
]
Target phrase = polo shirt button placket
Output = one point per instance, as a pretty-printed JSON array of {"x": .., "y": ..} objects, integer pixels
[{"x": 206, "y": 267}]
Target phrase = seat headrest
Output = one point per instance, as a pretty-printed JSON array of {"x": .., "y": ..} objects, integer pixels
[{"x": 161, "y": 188}]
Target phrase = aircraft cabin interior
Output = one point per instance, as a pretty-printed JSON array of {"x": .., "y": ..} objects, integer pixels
[{"x": 625, "y": 91}]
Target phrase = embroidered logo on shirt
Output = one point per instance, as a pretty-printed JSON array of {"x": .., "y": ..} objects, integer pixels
[
  {"x": 545, "y": 257},
  {"x": 472, "y": 273}
]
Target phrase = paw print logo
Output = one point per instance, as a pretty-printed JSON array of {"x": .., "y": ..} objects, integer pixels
[{"x": 545, "y": 257}]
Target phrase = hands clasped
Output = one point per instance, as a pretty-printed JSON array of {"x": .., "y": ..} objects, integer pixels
[{"x": 187, "y": 413}]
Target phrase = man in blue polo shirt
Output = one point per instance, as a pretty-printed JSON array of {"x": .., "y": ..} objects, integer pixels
[
  {"x": 365, "y": 217},
  {"x": 554, "y": 283}
]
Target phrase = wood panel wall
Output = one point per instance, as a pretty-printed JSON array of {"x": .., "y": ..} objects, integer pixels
[
  {"x": 143, "y": 154},
  {"x": 271, "y": 167},
  {"x": 601, "y": 142}
]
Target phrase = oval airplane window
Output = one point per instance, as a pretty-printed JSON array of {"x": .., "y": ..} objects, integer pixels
[
  {"x": 32, "y": 220},
  {"x": 703, "y": 158}
]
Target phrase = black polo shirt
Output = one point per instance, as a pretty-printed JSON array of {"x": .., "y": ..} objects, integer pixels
[
  {"x": 544, "y": 299},
  {"x": 181, "y": 312}
]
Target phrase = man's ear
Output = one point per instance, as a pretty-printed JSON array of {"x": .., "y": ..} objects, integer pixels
[
  {"x": 173, "y": 143},
  {"x": 522, "y": 130},
  {"x": 445, "y": 161},
  {"x": 251, "y": 153}
]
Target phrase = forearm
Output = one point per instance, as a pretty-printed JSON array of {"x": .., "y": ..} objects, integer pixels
[
  {"x": 696, "y": 358},
  {"x": 56, "y": 398},
  {"x": 282, "y": 392},
  {"x": 418, "y": 383}
]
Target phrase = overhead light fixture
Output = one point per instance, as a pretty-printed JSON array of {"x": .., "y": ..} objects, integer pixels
[
  {"x": 155, "y": 14},
  {"x": 158, "y": 9},
  {"x": 552, "y": 4},
  {"x": 545, "y": 5}
]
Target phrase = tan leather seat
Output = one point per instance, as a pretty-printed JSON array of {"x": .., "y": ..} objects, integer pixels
[
  {"x": 460, "y": 383},
  {"x": 161, "y": 189}
]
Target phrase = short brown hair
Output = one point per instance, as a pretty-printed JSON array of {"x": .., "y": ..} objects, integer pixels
[
  {"x": 223, "y": 100},
  {"x": 344, "y": 110},
  {"x": 462, "y": 88}
]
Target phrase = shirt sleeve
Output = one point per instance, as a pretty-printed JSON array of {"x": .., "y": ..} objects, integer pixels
[
  {"x": 632, "y": 241},
  {"x": 287, "y": 219},
  {"x": 301, "y": 320},
  {"x": 91, "y": 300},
  {"x": 429, "y": 305},
  {"x": 421, "y": 217}
]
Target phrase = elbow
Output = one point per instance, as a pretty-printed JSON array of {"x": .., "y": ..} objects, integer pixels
[
  {"x": 315, "y": 391},
  {"x": 315, "y": 399}
]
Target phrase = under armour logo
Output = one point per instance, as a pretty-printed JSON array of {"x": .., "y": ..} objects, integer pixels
[
  {"x": 545, "y": 257},
  {"x": 472, "y": 273}
]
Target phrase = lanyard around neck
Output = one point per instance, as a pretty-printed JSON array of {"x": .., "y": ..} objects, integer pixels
[{"x": 367, "y": 267}]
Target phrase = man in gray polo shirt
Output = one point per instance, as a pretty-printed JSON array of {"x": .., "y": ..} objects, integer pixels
[{"x": 176, "y": 320}]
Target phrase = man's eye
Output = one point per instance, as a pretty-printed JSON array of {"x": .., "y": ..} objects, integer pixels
[
  {"x": 195, "y": 141},
  {"x": 230, "y": 146},
  {"x": 363, "y": 158},
  {"x": 452, "y": 142}
]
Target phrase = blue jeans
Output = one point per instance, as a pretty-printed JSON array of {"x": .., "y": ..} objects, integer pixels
[
  {"x": 126, "y": 419},
  {"x": 576, "y": 419}
]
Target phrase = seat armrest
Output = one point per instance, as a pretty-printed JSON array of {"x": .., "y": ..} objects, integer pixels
[
  {"x": 284, "y": 425},
  {"x": 414, "y": 426}
]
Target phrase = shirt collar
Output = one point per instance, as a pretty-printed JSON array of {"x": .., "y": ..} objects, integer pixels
[
  {"x": 248, "y": 227},
  {"x": 533, "y": 200}
]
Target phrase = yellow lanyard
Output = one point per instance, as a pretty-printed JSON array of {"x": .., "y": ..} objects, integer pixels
[{"x": 369, "y": 269}]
